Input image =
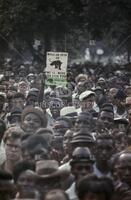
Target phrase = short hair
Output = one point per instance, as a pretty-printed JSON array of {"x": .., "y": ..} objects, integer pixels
[
  {"x": 4, "y": 175},
  {"x": 34, "y": 141},
  {"x": 77, "y": 79},
  {"x": 21, "y": 167},
  {"x": 115, "y": 158},
  {"x": 93, "y": 184},
  {"x": 65, "y": 119},
  {"x": 55, "y": 192},
  {"x": 44, "y": 131},
  {"x": 13, "y": 133},
  {"x": 19, "y": 95},
  {"x": 105, "y": 137}
]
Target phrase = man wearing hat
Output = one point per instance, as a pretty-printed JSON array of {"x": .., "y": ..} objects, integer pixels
[
  {"x": 49, "y": 175},
  {"x": 102, "y": 83},
  {"x": 82, "y": 138},
  {"x": 83, "y": 120},
  {"x": 119, "y": 107},
  {"x": 87, "y": 100},
  {"x": 81, "y": 165},
  {"x": 106, "y": 116},
  {"x": 14, "y": 117},
  {"x": 70, "y": 112},
  {"x": 32, "y": 119},
  {"x": 32, "y": 97}
]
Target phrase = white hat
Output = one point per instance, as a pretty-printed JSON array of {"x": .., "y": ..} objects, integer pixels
[
  {"x": 68, "y": 111},
  {"x": 101, "y": 79},
  {"x": 85, "y": 94}
]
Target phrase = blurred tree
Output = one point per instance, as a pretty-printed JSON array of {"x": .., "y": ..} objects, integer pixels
[
  {"x": 111, "y": 20},
  {"x": 22, "y": 21},
  {"x": 62, "y": 24}
]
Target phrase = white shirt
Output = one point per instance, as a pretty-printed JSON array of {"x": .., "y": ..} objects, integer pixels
[
  {"x": 71, "y": 192},
  {"x": 66, "y": 166},
  {"x": 99, "y": 174}
]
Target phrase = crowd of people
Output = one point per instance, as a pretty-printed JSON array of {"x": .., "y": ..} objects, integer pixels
[{"x": 65, "y": 143}]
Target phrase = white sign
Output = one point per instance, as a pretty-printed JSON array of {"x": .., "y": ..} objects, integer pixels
[{"x": 56, "y": 68}]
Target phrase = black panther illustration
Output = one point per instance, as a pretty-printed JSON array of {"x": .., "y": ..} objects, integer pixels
[{"x": 57, "y": 64}]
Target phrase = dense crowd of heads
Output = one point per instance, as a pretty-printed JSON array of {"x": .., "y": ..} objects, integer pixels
[{"x": 66, "y": 143}]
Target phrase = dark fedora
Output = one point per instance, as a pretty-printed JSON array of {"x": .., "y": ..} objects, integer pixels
[
  {"x": 82, "y": 136},
  {"x": 82, "y": 154}
]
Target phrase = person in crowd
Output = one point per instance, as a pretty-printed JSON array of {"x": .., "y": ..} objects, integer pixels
[
  {"x": 128, "y": 91},
  {"x": 14, "y": 117},
  {"x": 55, "y": 105},
  {"x": 100, "y": 98},
  {"x": 119, "y": 107},
  {"x": 12, "y": 140},
  {"x": 128, "y": 103},
  {"x": 87, "y": 100},
  {"x": 111, "y": 94},
  {"x": 80, "y": 87},
  {"x": 25, "y": 179},
  {"x": 31, "y": 79},
  {"x": 95, "y": 188},
  {"x": 34, "y": 147},
  {"x": 61, "y": 125},
  {"x": 32, "y": 97},
  {"x": 18, "y": 101},
  {"x": 32, "y": 119},
  {"x": 102, "y": 83},
  {"x": 67, "y": 145},
  {"x": 122, "y": 171},
  {"x": 7, "y": 187},
  {"x": 84, "y": 120},
  {"x": 49, "y": 176},
  {"x": 23, "y": 87},
  {"x": 81, "y": 165},
  {"x": 47, "y": 134},
  {"x": 83, "y": 138},
  {"x": 104, "y": 149},
  {"x": 83, "y": 127},
  {"x": 70, "y": 112},
  {"x": 121, "y": 141},
  {"x": 11, "y": 91},
  {"x": 81, "y": 78},
  {"x": 106, "y": 115},
  {"x": 120, "y": 125}
]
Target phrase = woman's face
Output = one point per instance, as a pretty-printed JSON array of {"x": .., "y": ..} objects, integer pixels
[
  {"x": 31, "y": 123},
  {"x": 26, "y": 185}
]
